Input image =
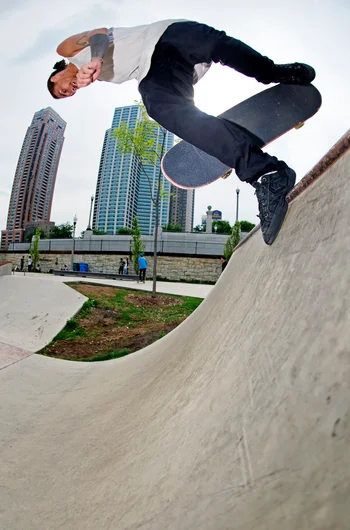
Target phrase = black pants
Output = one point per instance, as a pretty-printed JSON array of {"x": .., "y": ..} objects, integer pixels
[
  {"x": 167, "y": 93},
  {"x": 142, "y": 275}
]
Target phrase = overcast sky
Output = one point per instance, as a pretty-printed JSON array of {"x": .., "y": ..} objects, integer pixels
[{"x": 311, "y": 31}]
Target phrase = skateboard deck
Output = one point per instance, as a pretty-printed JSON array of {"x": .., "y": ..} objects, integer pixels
[{"x": 265, "y": 117}]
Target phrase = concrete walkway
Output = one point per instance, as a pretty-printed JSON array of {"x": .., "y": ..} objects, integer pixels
[
  {"x": 239, "y": 419},
  {"x": 11, "y": 354},
  {"x": 182, "y": 289}
]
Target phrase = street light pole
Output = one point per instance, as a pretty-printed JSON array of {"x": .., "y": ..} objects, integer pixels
[
  {"x": 237, "y": 204},
  {"x": 89, "y": 225},
  {"x": 73, "y": 245}
]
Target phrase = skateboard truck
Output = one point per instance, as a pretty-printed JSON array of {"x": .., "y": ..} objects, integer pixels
[{"x": 299, "y": 125}]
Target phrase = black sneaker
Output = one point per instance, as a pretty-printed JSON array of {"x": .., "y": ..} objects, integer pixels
[
  {"x": 294, "y": 74},
  {"x": 271, "y": 192}
]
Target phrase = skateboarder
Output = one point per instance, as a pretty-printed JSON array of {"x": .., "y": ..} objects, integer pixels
[{"x": 167, "y": 58}]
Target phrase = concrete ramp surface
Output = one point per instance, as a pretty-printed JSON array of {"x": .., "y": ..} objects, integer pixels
[
  {"x": 236, "y": 420},
  {"x": 33, "y": 310}
]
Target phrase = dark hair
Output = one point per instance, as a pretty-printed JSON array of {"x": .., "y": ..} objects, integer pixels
[{"x": 58, "y": 67}]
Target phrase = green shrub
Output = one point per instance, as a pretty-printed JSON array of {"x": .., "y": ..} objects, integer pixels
[{"x": 246, "y": 226}]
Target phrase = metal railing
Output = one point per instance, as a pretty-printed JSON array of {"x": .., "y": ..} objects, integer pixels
[{"x": 169, "y": 243}]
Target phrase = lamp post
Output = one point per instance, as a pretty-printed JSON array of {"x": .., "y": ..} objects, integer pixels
[
  {"x": 73, "y": 245},
  {"x": 237, "y": 204},
  {"x": 89, "y": 225}
]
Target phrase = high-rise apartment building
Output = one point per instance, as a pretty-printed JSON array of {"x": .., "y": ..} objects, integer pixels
[
  {"x": 123, "y": 189},
  {"x": 35, "y": 177},
  {"x": 181, "y": 210}
]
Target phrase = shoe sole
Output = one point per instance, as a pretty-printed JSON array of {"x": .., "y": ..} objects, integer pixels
[
  {"x": 281, "y": 212},
  {"x": 312, "y": 74}
]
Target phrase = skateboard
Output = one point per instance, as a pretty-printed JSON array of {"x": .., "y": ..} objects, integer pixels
[{"x": 264, "y": 117}]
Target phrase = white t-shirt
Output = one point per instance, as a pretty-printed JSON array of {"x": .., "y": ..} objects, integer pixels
[{"x": 130, "y": 52}]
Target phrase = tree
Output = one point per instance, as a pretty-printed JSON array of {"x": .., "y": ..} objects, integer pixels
[
  {"x": 146, "y": 141},
  {"x": 172, "y": 228},
  {"x": 95, "y": 231},
  {"x": 246, "y": 226},
  {"x": 34, "y": 248},
  {"x": 124, "y": 231},
  {"x": 138, "y": 246},
  {"x": 222, "y": 227},
  {"x": 198, "y": 228},
  {"x": 30, "y": 235},
  {"x": 233, "y": 240},
  {"x": 62, "y": 231}
]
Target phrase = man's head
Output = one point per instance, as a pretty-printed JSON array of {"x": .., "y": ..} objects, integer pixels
[{"x": 62, "y": 82}]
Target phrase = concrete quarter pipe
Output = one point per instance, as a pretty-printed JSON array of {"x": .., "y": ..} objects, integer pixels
[{"x": 238, "y": 419}]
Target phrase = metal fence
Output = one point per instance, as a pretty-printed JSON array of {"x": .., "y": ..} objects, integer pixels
[{"x": 168, "y": 243}]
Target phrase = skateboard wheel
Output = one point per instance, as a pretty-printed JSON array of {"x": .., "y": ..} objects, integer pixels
[
  {"x": 299, "y": 125},
  {"x": 227, "y": 174}
]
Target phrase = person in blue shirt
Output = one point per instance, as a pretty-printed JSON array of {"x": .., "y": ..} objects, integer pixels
[{"x": 142, "y": 268}]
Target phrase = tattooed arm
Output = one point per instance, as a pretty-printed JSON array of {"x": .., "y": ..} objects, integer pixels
[{"x": 74, "y": 44}]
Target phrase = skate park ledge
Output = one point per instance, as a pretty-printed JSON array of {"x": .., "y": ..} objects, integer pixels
[{"x": 5, "y": 268}]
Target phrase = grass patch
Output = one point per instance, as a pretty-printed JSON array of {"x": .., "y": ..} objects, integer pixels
[
  {"x": 108, "y": 355},
  {"x": 71, "y": 331},
  {"x": 115, "y": 322},
  {"x": 87, "y": 306}
]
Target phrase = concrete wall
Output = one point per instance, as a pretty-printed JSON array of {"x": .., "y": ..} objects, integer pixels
[
  {"x": 184, "y": 256},
  {"x": 173, "y": 268}
]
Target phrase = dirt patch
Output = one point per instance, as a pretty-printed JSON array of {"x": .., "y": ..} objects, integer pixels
[
  {"x": 92, "y": 291},
  {"x": 116, "y": 338},
  {"x": 120, "y": 320},
  {"x": 149, "y": 301},
  {"x": 99, "y": 318}
]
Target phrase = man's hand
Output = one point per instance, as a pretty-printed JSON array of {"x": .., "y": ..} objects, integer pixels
[{"x": 89, "y": 72}]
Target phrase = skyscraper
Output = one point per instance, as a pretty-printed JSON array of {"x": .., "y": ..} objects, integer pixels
[
  {"x": 123, "y": 190},
  {"x": 182, "y": 208},
  {"x": 35, "y": 177}
]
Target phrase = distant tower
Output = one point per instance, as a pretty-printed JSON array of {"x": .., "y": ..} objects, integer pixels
[
  {"x": 182, "y": 208},
  {"x": 35, "y": 177},
  {"x": 123, "y": 191}
]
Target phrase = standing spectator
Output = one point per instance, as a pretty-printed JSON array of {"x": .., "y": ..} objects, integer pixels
[
  {"x": 65, "y": 268},
  {"x": 121, "y": 266},
  {"x": 223, "y": 263},
  {"x": 22, "y": 263},
  {"x": 126, "y": 266},
  {"x": 30, "y": 264},
  {"x": 142, "y": 268}
]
